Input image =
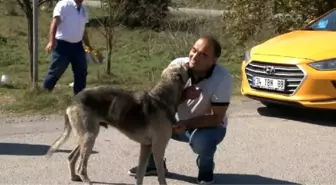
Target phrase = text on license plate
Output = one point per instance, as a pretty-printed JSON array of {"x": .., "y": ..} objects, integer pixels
[{"x": 269, "y": 83}]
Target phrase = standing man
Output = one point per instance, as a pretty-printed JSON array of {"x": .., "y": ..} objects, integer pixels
[
  {"x": 201, "y": 116},
  {"x": 67, "y": 31}
]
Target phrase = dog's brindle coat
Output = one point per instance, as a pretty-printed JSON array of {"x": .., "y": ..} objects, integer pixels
[{"x": 144, "y": 117}]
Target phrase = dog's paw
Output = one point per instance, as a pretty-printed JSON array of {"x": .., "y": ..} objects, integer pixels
[{"x": 76, "y": 178}]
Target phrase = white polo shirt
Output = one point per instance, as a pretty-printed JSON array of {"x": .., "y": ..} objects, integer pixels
[
  {"x": 216, "y": 89},
  {"x": 71, "y": 28}
]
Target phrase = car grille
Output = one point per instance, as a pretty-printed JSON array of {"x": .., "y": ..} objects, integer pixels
[{"x": 291, "y": 73}]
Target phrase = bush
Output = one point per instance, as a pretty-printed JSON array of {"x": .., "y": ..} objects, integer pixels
[
  {"x": 148, "y": 13},
  {"x": 258, "y": 20}
]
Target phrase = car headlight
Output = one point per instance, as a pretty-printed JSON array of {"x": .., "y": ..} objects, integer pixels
[
  {"x": 247, "y": 56},
  {"x": 325, "y": 65}
]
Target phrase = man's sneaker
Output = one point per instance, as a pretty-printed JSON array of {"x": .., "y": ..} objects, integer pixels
[
  {"x": 205, "y": 179},
  {"x": 149, "y": 171}
]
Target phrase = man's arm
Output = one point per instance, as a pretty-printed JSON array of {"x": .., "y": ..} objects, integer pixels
[
  {"x": 53, "y": 27},
  {"x": 85, "y": 34},
  {"x": 57, "y": 17},
  {"x": 220, "y": 102},
  {"x": 86, "y": 39},
  {"x": 56, "y": 20},
  {"x": 211, "y": 120}
]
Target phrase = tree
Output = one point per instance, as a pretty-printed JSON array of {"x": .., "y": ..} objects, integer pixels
[
  {"x": 27, "y": 7},
  {"x": 148, "y": 13},
  {"x": 246, "y": 19},
  {"x": 114, "y": 11},
  {"x": 9, "y": 7}
]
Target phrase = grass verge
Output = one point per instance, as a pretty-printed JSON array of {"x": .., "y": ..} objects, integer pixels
[{"x": 138, "y": 59}]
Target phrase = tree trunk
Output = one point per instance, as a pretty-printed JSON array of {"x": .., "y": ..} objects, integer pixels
[
  {"x": 109, "y": 42},
  {"x": 29, "y": 17}
]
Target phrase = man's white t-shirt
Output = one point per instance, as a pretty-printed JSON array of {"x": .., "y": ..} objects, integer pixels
[
  {"x": 72, "y": 26},
  {"x": 216, "y": 89}
]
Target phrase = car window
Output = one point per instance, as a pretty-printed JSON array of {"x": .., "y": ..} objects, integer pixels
[{"x": 327, "y": 22}]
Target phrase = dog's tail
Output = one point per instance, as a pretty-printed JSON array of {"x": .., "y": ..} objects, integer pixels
[{"x": 62, "y": 138}]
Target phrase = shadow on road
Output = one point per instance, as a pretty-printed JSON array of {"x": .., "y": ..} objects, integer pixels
[
  {"x": 232, "y": 179},
  {"x": 20, "y": 149},
  {"x": 23, "y": 149},
  {"x": 108, "y": 183},
  {"x": 68, "y": 151},
  {"x": 312, "y": 116}
]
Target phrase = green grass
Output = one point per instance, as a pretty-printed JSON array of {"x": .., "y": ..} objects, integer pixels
[
  {"x": 138, "y": 58},
  {"x": 203, "y": 4}
]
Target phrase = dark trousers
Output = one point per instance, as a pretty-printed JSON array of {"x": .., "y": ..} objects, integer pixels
[
  {"x": 63, "y": 54},
  {"x": 204, "y": 143}
]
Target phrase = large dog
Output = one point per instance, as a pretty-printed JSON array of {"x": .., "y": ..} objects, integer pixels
[{"x": 144, "y": 117}]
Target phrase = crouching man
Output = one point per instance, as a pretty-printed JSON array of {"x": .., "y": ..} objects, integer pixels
[{"x": 201, "y": 116}]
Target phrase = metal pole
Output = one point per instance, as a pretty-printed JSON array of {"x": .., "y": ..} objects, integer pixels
[{"x": 35, "y": 43}]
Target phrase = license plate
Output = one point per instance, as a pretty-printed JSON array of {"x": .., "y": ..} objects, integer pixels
[{"x": 269, "y": 83}]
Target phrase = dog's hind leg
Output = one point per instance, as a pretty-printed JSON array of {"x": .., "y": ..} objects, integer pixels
[
  {"x": 60, "y": 140},
  {"x": 145, "y": 151},
  {"x": 72, "y": 158},
  {"x": 85, "y": 151}
]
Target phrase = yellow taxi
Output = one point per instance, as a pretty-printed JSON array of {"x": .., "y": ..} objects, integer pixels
[{"x": 296, "y": 68}]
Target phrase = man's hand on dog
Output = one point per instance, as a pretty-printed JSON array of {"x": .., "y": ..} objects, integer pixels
[{"x": 179, "y": 128}]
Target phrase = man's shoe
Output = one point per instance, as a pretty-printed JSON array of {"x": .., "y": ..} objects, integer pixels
[
  {"x": 205, "y": 179},
  {"x": 149, "y": 171}
]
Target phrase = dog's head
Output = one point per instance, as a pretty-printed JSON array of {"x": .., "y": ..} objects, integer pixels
[{"x": 176, "y": 73}]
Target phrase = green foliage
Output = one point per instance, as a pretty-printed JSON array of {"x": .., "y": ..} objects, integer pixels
[
  {"x": 258, "y": 19},
  {"x": 147, "y": 13}
]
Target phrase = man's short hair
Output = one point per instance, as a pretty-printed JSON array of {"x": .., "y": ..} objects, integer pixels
[{"x": 216, "y": 45}]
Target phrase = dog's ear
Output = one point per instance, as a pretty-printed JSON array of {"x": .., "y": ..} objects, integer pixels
[{"x": 164, "y": 71}]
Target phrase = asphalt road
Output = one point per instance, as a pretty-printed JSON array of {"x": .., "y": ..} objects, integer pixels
[{"x": 262, "y": 146}]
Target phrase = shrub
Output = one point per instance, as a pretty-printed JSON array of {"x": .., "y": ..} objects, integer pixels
[
  {"x": 148, "y": 13},
  {"x": 246, "y": 20}
]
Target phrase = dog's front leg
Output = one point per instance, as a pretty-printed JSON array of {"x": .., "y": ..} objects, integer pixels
[
  {"x": 72, "y": 158},
  {"x": 158, "y": 149},
  {"x": 143, "y": 161},
  {"x": 85, "y": 151}
]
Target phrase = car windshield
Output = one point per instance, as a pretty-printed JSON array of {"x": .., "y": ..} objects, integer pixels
[{"x": 326, "y": 23}]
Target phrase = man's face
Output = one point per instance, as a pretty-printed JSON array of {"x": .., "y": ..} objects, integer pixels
[
  {"x": 79, "y": 1},
  {"x": 201, "y": 55}
]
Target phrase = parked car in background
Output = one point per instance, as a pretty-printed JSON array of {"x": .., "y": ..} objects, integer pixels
[{"x": 296, "y": 68}]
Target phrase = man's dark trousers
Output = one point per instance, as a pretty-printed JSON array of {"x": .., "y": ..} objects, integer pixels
[{"x": 62, "y": 54}]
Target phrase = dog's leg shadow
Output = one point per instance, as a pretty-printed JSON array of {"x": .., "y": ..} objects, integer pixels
[
  {"x": 108, "y": 183},
  {"x": 68, "y": 151}
]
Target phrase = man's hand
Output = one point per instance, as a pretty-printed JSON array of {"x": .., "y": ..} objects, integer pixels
[
  {"x": 90, "y": 48},
  {"x": 179, "y": 128},
  {"x": 53, "y": 27},
  {"x": 49, "y": 47}
]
